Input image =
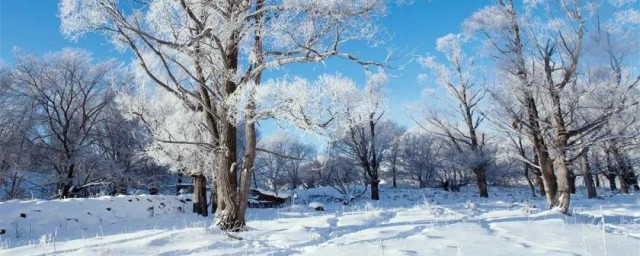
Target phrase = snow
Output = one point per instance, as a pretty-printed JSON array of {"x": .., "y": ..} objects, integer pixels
[
  {"x": 278, "y": 194},
  {"x": 316, "y": 205},
  {"x": 403, "y": 222}
]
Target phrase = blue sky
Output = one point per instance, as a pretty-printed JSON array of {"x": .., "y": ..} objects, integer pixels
[{"x": 33, "y": 27}]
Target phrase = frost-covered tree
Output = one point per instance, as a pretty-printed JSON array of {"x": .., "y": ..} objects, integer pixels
[
  {"x": 420, "y": 157},
  {"x": 281, "y": 160},
  {"x": 540, "y": 48},
  {"x": 178, "y": 133},
  {"x": 344, "y": 175},
  {"x": 503, "y": 29},
  {"x": 15, "y": 147},
  {"x": 206, "y": 52},
  {"x": 463, "y": 119},
  {"x": 611, "y": 47},
  {"x": 66, "y": 92},
  {"x": 368, "y": 138},
  {"x": 120, "y": 146}
]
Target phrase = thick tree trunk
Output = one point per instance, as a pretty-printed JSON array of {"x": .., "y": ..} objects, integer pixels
[
  {"x": 247, "y": 168},
  {"x": 542, "y": 153},
  {"x": 200, "y": 195},
  {"x": 587, "y": 176},
  {"x": 481, "y": 179},
  {"x": 226, "y": 179},
  {"x": 375, "y": 194},
  {"x": 563, "y": 194}
]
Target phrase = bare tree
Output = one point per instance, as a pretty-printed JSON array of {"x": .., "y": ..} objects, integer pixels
[
  {"x": 369, "y": 144},
  {"x": 15, "y": 156},
  {"x": 68, "y": 93},
  {"x": 419, "y": 154},
  {"x": 458, "y": 77},
  {"x": 343, "y": 175}
]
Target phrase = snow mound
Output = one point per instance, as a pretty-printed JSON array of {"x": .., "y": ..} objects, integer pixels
[
  {"x": 79, "y": 217},
  {"x": 316, "y": 205}
]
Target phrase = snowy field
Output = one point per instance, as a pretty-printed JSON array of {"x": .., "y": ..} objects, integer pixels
[{"x": 403, "y": 222}]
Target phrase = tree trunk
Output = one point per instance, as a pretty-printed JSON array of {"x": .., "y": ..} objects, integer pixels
[
  {"x": 587, "y": 176},
  {"x": 227, "y": 217},
  {"x": 540, "y": 185},
  {"x": 542, "y": 153},
  {"x": 213, "y": 196},
  {"x": 247, "y": 167},
  {"x": 529, "y": 181},
  {"x": 395, "y": 176},
  {"x": 572, "y": 183},
  {"x": 121, "y": 186},
  {"x": 200, "y": 195},
  {"x": 624, "y": 186},
  {"x": 65, "y": 191},
  {"x": 612, "y": 181},
  {"x": 481, "y": 179},
  {"x": 597, "y": 180},
  {"x": 563, "y": 194},
  {"x": 375, "y": 194}
]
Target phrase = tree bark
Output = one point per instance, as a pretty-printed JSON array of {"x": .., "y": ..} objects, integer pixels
[
  {"x": 572, "y": 183},
  {"x": 227, "y": 217},
  {"x": 395, "y": 174},
  {"x": 529, "y": 181},
  {"x": 540, "y": 183},
  {"x": 482, "y": 181},
  {"x": 65, "y": 191},
  {"x": 612, "y": 181},
  {"x": 544, "y": 160},
  {"x": 587, "y": 176},
  {"x": 624, "y": 186},
  {"x": 563, "y": 194},
  {"x": 213, "y": 196},
  {"x": 375, "y": 194},
  {"x": 200, "y": 195},
  {"x": 247, "y": 167},
  {"x": 121, "y": 186}
]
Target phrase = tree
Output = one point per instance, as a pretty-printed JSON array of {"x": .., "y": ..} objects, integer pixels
[
  {"x": 541, "y": 49},
  {"x": 611, "y": 42},
  {"x": 343, "y": 175},
  {"x": 206, "y": 52},
  {"x": 177, "y": 134},
  {"x": 67, "y": 92},
  {"x": 281, "y": 161},
  {"x": 368, "y": 143},
  {"x": 419, "y": 154},
  {"x": 457, "y": 76},
  {"x": 120, "y": 147},
  {"x": 15, "y": 146}
]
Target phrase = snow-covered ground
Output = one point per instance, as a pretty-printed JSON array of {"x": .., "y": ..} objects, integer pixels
[{"x": 403, "y": 222}]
